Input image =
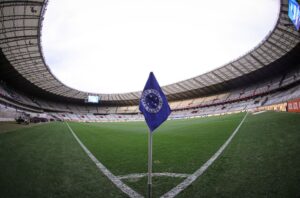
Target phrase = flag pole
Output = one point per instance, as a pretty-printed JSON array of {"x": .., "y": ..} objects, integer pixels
[{"x": 150, "y": 165}]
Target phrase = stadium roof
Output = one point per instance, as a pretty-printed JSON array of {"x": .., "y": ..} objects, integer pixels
[{"x": 20, "y": 42}]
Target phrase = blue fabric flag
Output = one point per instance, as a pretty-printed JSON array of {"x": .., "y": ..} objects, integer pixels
[{"x": 154, "y": 104}]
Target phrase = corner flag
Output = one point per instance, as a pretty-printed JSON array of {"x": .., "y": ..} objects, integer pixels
[
  {"x": 155, "y": 107},
  {"x": 154, "y": 104}
]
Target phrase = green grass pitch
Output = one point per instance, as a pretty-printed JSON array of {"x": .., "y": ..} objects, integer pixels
[{"x": 261, "y": 161}]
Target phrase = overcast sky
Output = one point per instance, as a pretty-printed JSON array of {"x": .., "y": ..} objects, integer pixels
[{"x": 110, "y": 46}]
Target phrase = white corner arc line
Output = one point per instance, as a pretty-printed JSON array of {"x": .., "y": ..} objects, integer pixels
[
  {"x": 114, "y": 179},
  {"x": 190, "y": 179},
  {"x": 140, "y": 175}
]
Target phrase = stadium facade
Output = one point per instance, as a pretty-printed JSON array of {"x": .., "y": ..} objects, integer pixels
[{"x": 268, "y": 76}]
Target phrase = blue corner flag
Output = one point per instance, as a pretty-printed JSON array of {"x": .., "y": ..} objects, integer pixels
[{"x": 154, "y": 104}]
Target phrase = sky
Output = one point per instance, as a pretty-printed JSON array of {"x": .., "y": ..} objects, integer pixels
[{"x": 111, "y": 46}]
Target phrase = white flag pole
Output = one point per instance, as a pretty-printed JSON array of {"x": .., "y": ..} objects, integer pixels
[{"x": 150, "y": 165}]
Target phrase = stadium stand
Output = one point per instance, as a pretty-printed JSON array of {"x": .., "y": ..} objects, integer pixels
[
  {"x": 250, "y": 98},
  {"x": 268, "y": 76}
]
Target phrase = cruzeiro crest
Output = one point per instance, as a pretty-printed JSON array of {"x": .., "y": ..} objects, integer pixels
[{"x": 151, "y": 100}]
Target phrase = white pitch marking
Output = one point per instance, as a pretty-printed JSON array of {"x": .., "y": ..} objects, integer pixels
[
  {"x": 140, "y": 175},
  {"x": 123, "y": 187},
  {"x": 190, "y": 179},
  {"x": 259, "y": 112}
]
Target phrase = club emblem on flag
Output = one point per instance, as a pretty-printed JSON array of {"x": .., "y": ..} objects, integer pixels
[{"x": 151, "y": 100}]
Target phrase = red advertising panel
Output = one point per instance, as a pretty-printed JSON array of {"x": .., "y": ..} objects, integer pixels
[{"x": 294, "y": 105}]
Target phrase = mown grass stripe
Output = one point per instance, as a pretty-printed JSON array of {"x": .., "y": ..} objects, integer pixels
[
  {"x": 189, "y": 180},
  {"x": 126, "y": 189}
]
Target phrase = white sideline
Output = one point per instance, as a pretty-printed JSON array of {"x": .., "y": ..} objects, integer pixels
[
  {"x": 123, "y": 187},
  {"x": 140, "y": 175},
  {"x": 190, "y": 179},
  {"x": 259, "y": 112}
]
